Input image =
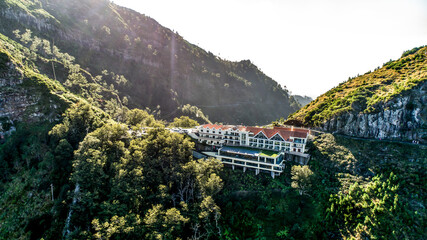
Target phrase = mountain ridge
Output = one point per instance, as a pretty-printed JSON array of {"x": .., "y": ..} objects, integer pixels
[
  {"x": 388, "y": 103},
  {"x": 163, "y": 69}
]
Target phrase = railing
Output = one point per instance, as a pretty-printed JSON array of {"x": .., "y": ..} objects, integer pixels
[
  {"x": 252, "y": 146},
  {"x": 270, "y": 168}
]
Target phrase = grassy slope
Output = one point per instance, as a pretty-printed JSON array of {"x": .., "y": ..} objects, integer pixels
[
  {"x": 263, "y": 206},
  {"x": 366, "y": 93},
  {"x": 32, "y": 8}
]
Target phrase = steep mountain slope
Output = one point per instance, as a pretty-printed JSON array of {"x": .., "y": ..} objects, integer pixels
[
  {"x": 64, "y": 161},
  {"x": 303, "y": 100},
  {"x": 387, "y": 103},
  {"x": 25, "y": 95},
  {"x": 30, "y": 105},
  {"x": 161, "y": 67}
]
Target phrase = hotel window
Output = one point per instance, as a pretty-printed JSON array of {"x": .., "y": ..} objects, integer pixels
[
  {"x": 277, "y": 138},
  {"x": 260, "y": 135}
]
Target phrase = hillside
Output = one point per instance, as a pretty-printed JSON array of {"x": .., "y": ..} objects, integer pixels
[
  {"x": 164, "y": 72},
  {"x": 389, "y": 102},
  {"x": 64, "y": 160},
  {"x": 26, "y": 96},
  {"x": 303, "y": 100}
]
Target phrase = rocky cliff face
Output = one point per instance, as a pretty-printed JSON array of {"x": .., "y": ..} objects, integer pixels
[
  {"x": 388, "y": 103},
  {"x": 21, "y": 100},
  {"x": 403, "y": 118},
  {"x": 41, "y": 24}
]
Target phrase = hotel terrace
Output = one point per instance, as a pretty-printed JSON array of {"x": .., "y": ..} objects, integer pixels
[{"x": 255, "y": 148}]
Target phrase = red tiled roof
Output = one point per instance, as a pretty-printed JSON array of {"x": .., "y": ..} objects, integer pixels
[
  {"x": 294, "y": 129},
  {"x": 300, "y": 134},
  {"x": 211, "y": 126},
  {"x": 269, "y": 132},
  {"x": 284, "y": 132},
  {"x": 215, "y": 126},
  {"x": 254, "y": 130}
]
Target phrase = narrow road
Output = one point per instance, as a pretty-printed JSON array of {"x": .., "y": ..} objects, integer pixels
[{"x": 382, "y": 140}]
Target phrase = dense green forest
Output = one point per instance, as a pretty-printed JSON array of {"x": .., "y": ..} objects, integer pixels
[{"x": 113, "y": 185}]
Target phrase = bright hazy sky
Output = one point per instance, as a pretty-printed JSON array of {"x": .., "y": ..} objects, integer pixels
[{"x": 309, "y": 46}]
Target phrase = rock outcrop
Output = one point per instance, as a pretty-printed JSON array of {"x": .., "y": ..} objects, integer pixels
[
  {"x": 402, "y": 118},
  {"x": 20, "y": 100}
]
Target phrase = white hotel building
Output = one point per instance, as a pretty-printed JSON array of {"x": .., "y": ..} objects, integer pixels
[{"x": 259, "y": 149}]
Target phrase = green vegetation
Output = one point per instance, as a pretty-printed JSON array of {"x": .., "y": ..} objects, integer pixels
[
  {"x": 4, "y": 58},
  {"x": 152, "y": 179},
  {"x": 184, "y": 122},
  {"x": 412, "y": 51},
  {"x": 32, "y": 8},
  {"x": 131, "y": 187},
  {"x": 368, "y": 93},
  {"x": 301, "y": 178}
]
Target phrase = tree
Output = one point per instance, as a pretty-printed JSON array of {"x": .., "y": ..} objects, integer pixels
[
  {"x": 62, "y": 164},
  {"x": 97, "y": 162},
  {"x": 76, "y": 82},
  {"x": 184, "y": 122},
  {"x": 373, "y": 211},
  {"x": 301, "y": 178},
  {"x": 139, "y": 118},
  {"x": 107, "y": 229},
  {"x": 164, "y": 224},
  {"x": 79, "y": 120}
]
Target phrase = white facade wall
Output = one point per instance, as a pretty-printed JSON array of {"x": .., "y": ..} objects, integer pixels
[
  {"x": 236, "y": 137},
  {"x": 232, "y": 136}
]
